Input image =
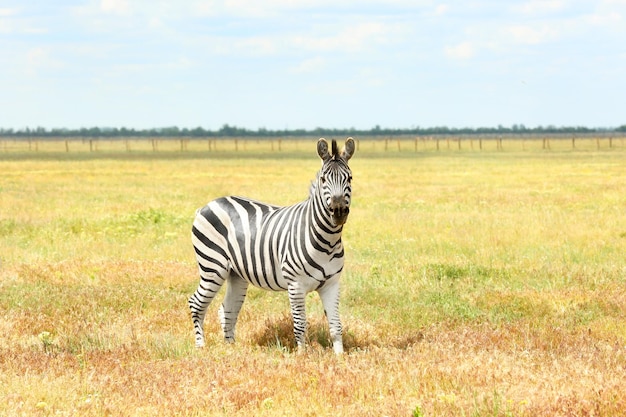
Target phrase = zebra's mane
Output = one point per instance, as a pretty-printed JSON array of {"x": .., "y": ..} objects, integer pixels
[
  {"x": 313, "y": 186},
  {"x": 335, "y": 149}
]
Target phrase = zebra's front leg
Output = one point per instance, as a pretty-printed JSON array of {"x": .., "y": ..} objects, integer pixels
[
  {"x": 298, "y": 313},
  {"x": 329, "y": 293},
  {"x": 233, "y": 300}
]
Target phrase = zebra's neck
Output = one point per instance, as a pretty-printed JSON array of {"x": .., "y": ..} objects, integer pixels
[{"x": 321, "y": 221}]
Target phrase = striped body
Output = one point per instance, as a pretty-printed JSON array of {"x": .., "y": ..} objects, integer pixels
[{"x": 296, "y": 249}]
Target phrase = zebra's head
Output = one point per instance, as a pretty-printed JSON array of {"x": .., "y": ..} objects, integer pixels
[{"x": 334, "y": 180}]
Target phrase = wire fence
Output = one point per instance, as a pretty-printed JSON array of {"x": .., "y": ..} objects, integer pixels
[{"x": 376, "y": 144}]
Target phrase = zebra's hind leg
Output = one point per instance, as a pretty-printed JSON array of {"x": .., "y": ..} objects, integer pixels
[
  {"x": 233, "y": 300},
  {"x": 210, "y": 284}
]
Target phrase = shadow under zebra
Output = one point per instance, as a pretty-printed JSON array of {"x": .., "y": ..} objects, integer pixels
[{"x": 277, "y": 332}]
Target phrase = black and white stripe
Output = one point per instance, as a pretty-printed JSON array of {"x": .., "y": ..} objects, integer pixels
[{"x": 297, "y": 249}]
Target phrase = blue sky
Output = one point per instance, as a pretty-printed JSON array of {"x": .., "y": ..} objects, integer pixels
[{"x": 280, "y": 64}]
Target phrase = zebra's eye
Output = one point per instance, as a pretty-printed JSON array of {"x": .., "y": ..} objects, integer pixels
[
  {"x": 323, "y": 179},
  {"x": 350, "y": 178}
]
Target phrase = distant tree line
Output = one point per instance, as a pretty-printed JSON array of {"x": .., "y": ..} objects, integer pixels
[{"x": 234, "y": 131}]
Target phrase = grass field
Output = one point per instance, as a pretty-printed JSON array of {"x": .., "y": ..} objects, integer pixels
[{"x": 476, "y": 283}]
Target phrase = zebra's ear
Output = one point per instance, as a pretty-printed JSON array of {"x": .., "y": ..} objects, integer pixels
[
  {"x": 348, "y": 149},
  {"x": 322, "y": 149}
]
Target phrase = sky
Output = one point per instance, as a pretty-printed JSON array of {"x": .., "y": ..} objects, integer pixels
[{"x": 288, "y": 64}]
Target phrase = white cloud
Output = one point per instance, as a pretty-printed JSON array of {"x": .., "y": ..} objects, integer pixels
[
  {"x": 181, "y": 63},
  {"x": 256, "y": 45},
  {"x": 205, "y": 8},
  {"x": 311, "y": 44},
  {"x": 40, "y": 59},
  {"x": 15, "y": 21},
  {"x": 461, "y": 51},
  {"x": 540, "y": 6},
  {"x": 526, "y": 34},
  {"x": 120, "y": 7},
  {"x": 441, "y": 9},
  {"x": 37, "y": 56},
  {"x": 605, "y": 18},
  {"x": 274, "y": 8},
  {"x": 310, "y": 65},
  {"x": 246, "y": 8},
  {"x": 6, "y": 22},
  {"x": 326, "y": 39},
  {"x": 8, "y": 12},
  {"x": 353, "y": 38}
]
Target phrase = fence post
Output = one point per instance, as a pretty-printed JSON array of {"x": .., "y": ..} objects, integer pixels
[
  {"x": 459, "y": 140},
  {"x": 67, "y": 147}
]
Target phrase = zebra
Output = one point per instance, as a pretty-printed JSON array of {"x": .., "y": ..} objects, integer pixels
[{"x": 297, "y": 249}]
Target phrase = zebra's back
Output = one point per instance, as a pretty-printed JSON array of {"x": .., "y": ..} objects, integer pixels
[{"x": 244, "y": 237}]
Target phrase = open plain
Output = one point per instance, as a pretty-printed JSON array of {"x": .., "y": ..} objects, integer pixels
[{"x": 477, "y": 282}]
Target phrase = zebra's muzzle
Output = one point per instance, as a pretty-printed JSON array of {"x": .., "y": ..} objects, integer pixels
[{"x": 339, "y": 210}]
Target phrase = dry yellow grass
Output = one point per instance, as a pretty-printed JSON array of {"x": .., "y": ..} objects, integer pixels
[{"x": 476, "y": 284}]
